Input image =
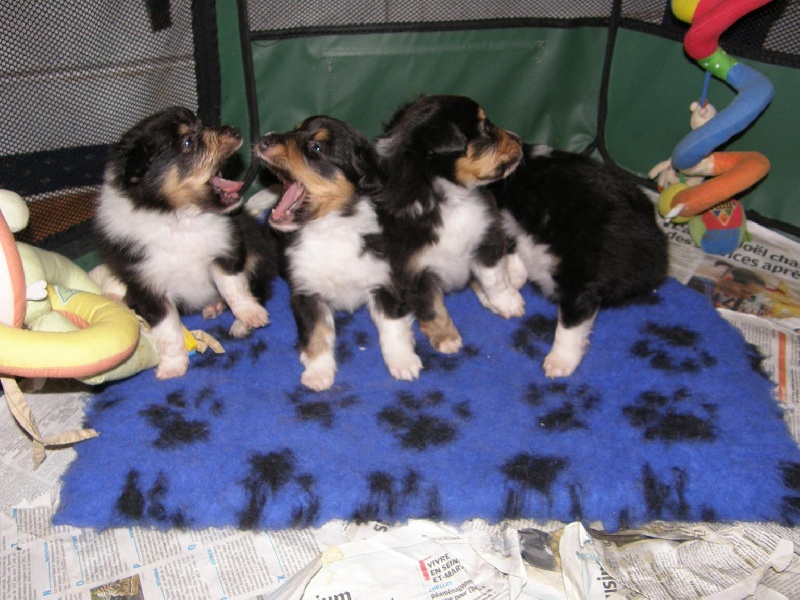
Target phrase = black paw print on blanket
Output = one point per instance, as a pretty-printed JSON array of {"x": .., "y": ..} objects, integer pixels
[
  {"x": 535, "y": 336},
  {"x": 678, "y": 417},
  {"x": 174, "y": 427},
  {"x": 321, "y": 407},
  {"x": 526, "y": 474},
  {"x": 672, "y": 348},
  {"x": 134, "y": 502},
  {"x": 273, "y": 473},
  {"x": 390, "y": 494},
  {"x": 561, "y": 406},
  {"x": 419, "y": 422},
  {"x": 790, "y": 505}
]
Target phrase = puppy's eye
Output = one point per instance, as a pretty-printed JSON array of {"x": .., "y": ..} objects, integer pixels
[
  {"x": 314, "y": 147},
  {"x": 188, "y": 143}
]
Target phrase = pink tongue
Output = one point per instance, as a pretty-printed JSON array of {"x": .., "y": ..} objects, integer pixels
[
  {"x": 291, "y": 194},
  {"x": 227, "y": 189}
]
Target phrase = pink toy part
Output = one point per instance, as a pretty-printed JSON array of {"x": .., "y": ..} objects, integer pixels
[
  {"x": 12, "y": 279},
  {"x": 732, "y": 172},
  {"x": 711, "y": 19}
]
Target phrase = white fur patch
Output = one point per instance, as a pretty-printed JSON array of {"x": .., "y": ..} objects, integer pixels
[
  {"x": 568, "y": 348},
  {"x": 179, "y": 247},
  {"x": 328, "y": 259},
  {"x": 464, "y": 223}
]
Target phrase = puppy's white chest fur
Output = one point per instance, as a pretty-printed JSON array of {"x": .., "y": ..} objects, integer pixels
[
  {"x": 464, "y": 223},
  {"x": 178, "y": 247},
  {"x": 328, "y": 258}
]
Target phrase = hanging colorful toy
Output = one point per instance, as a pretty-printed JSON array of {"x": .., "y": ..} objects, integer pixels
[{"x": 716, "y": 220}]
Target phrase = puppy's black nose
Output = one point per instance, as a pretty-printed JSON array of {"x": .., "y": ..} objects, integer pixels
[{"x": 267, "y": 140}]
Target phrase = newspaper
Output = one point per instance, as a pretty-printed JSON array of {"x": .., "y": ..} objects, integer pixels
[{"x": 523, "y": 560}]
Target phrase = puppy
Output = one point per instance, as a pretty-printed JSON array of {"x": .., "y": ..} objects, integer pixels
[
  {"x": 165, "y": 229},
  {"x": 335, "y": 253},
  {"x": 586, "y": 235},
  {"x": 442, "y": 227}
]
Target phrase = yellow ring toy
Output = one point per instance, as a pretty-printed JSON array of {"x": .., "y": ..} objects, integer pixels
[{"x": 107, "y": 334}]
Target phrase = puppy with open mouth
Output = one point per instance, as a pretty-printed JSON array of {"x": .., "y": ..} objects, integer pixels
[
  {"x": 169, "y": 230},
  {"x": 335, "y": 255}
]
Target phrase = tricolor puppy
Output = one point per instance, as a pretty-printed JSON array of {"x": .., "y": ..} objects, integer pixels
[
  {"x": 442, "y": 227},
  {"x": 335, "y": 253},
  {"x": 167, "y": 231},
  {"x": 588, "y": 238}
]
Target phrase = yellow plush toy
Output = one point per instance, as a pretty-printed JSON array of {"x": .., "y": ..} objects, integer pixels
[{"x": 55, "y": 323}]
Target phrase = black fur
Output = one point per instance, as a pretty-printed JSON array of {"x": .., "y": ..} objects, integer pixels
[
  {"x": 162, "y": 179},
  {"x": 598, "y": 224},
  {"x": 423, "y": 153}
]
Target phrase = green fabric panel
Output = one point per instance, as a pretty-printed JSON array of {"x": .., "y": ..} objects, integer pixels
[
  {"x": 653, "y": 83},
  {"x": 542, "y": 83}
]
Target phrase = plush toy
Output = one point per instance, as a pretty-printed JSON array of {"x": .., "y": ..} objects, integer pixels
[
  {"x": 723, "y": 229},
  {"x": 55, "y": 323}
]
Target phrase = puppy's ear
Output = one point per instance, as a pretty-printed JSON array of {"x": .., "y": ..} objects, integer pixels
[
  {"x": 136, "y": 157},
  {"x": 365, "y": 163},
  {"x": 444, "y": 138}
]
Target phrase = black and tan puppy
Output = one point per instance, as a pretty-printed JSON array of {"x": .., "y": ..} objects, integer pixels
[
  {"x": 168, "y": 231},
  {"x": 335, "y": 253},
  {"x": 442, "y": 228}
]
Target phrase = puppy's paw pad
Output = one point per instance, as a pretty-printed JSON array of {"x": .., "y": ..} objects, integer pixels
[
  {"x": 449, "y": 345},
  {"x": 252, "y": 316},
  {"x": 560, "y": 365},
  {"x": 508, "y": 304},
  {"x": 239, "y": 330},
  {"x": 170, "y": 367},
  {"x": 318, "y": 379},
  {"x": 212, "y": 311},
  {"x": 406, "y": 368}
]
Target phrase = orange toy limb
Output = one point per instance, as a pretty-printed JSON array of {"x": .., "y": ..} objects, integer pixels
[{"x": 732, "y": 173}]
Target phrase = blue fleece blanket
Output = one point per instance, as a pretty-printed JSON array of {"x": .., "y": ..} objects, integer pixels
[{"x": 669, "y": 416}]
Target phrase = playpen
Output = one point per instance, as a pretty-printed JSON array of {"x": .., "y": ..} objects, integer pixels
[{"x": 606, "y": 77}]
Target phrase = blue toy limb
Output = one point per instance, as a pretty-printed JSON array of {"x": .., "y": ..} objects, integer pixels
[{"x": 754, "y": 93}]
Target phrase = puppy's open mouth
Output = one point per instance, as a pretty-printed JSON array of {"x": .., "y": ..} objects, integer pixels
[
  {"x": 227, "y": 191},
  {"x": 283, "y": 214}
]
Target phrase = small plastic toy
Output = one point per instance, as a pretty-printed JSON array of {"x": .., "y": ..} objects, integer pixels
[{"x": 729, "y": 173}]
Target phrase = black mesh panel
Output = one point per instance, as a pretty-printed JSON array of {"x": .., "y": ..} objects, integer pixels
[{"x": 73, "y": 76}]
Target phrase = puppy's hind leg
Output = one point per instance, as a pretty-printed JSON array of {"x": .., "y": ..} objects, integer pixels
[
  {"x": 235, "y": 290},
  {"x": 575, "y": 321},
  {"x": 440, "y": 329},
  {"x": 498, "y": 276},
  {"x": 173, "y": 359},
  {"x": 317, "y": 335},
  {"x": 493, "y": 287}
]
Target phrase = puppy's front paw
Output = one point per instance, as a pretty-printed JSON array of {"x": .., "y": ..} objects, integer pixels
[
  {"x": 248, "y": 318},
  {"x": 320, "y": 371},
  {"x": 405, "y": 367},
  {"x": 447, "y": 344},
  {"x": 517, "y": 273},
  {"x": 560, "y": 364},
  {"x": 508, "y": 303},
  {"x": 170, "y": 367}
]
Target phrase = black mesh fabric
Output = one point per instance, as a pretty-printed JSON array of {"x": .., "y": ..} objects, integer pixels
[
  {"x": 280, "y": 18},
  {"x": 73, "y": 76}
]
